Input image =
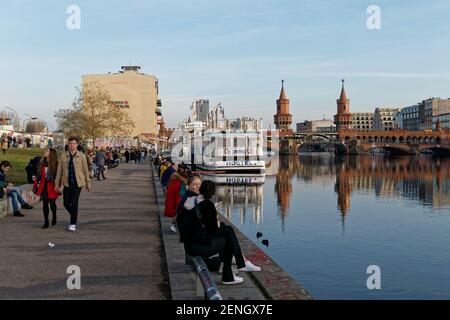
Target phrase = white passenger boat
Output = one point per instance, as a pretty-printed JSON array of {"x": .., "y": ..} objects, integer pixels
[{"x": 223, "y": 145}]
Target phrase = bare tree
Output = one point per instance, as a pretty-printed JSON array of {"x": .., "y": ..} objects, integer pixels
[{"x": 93, "y": 115}]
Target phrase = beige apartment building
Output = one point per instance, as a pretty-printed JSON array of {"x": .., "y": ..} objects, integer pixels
[
  {"x": 362, "y": 121},
  {"x": 136, "y": 93},
  {"x": 384, "y": 119}
]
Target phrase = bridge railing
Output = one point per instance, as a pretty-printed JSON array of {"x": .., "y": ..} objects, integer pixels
[{"x": 204, "y": 278}]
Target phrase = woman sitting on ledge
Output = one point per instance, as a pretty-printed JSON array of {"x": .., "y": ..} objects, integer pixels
[{"x": 205, "y": 237}]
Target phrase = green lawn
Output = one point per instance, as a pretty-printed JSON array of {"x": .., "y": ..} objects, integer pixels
[{"x": 19, "y": 159}]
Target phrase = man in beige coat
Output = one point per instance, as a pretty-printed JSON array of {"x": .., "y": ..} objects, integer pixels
[{"x": 73, "y": 174}]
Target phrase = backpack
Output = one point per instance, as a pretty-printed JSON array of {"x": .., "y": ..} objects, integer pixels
[
  {"x": 191, "y": 227},
  {"x": 32, "y": 168},
  {"x": 184, "y": 221}
]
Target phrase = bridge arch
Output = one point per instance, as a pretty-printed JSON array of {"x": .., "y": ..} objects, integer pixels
[{"x": 319, "y": 135}]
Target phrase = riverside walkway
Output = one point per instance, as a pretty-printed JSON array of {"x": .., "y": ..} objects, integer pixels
[{"x": 117, "y": 245}]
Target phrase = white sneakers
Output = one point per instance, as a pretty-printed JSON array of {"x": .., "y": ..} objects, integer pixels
[
  {"x": 250, "y": 267},
  {"x": 234, "y": 270},
  {"x": 237, "y": 280},
  {"x": 72, "y": 228}
]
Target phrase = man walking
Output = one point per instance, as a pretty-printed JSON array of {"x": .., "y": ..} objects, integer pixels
[
  {"x": 100, "y": 161},
  {"x": 73, "y": 173}
]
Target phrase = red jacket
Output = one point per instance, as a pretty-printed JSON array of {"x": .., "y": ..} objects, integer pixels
[
  {"x": 173, "y": 196},
  {"x": 39, "y": 186}
]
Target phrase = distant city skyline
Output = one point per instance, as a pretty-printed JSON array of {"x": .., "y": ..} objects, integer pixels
[{"x": 231, "y": 52}]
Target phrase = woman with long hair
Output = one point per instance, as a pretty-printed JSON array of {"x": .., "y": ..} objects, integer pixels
[
  {"x": 176, "y": 189},
  {"x": 44, "y": 184}
]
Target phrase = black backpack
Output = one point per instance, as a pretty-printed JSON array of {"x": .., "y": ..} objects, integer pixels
[
  {"x": 190, "y": 225},
  {"x": 184, "y": 222},
  {"x": 32, "y": 168}
]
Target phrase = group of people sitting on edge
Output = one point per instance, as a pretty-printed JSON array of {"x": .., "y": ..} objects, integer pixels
[{"x": 189, "y": 202}]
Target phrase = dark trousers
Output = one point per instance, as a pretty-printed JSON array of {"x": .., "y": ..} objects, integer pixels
[
  {"x": 101, "y": 170},
  {"x": 71, "y": 197},
  {"x": 46, "y": 202},
  {"x": 232, "y": 248},
  {"x": 226, "y": 244}
]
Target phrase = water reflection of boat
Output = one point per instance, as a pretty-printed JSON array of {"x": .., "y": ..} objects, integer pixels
[{"x": 241, "y": 194}]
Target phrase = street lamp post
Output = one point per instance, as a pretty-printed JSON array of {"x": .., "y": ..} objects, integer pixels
[
  {"x": 47, "y": 124},
  {"x": 17, "y": 116}
]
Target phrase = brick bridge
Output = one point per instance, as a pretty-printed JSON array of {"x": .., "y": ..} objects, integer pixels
[{"x": 397, "y": 141}]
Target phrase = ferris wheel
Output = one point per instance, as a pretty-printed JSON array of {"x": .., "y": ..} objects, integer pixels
[{"x": 10, "y": 117}]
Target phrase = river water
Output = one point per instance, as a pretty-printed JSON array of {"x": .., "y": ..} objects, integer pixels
[{"x": 328, "y": 219}]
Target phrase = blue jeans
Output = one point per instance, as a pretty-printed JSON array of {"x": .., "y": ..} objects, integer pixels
[{"x": 15, "y": 196}]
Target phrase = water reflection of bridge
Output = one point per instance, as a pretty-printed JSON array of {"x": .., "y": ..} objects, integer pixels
[{"x": 418, "y": 178}]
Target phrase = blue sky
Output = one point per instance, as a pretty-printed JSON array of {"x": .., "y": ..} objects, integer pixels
[{"x": 234, "y": 52}]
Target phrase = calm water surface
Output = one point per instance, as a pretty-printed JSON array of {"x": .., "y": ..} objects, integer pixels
[{"x": 328, "y": 219}]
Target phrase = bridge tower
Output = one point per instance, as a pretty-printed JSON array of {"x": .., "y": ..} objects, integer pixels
[
  {"x": 283, "y": 122},
  {"x": 283, "y": 119},
  {"x": 343, "y": 118}
]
